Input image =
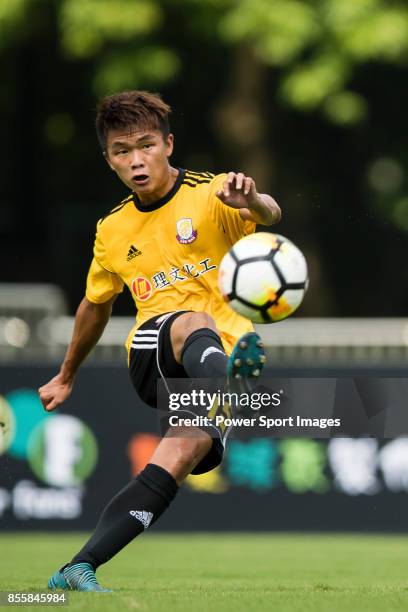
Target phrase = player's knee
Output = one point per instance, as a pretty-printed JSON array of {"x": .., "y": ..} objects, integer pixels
[
  {"x": 189, "y": 451},
  {"x": 185, "y": 325},
  {"x": 198, "y": 320},
  {"x": 192, "y": 321}
]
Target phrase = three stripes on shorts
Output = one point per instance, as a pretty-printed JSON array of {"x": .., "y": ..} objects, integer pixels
[{"x": 145, "y": 339}]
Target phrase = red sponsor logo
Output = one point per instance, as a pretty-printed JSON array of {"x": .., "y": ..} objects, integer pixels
[{"x": 142, "y": 288}]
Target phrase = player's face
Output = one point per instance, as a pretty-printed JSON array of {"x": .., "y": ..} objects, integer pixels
[{"x": 140, "y": 158}]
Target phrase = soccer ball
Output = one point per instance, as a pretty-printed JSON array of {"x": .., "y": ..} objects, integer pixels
[{"x": 263, "y": 277}]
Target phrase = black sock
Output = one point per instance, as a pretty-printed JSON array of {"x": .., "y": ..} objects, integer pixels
[
  {"x": 128, "y": 514},
  {"x": 203, "y": 355}
]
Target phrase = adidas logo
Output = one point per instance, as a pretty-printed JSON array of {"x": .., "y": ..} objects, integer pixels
[
  {"x": 208, "y": 351},
  {"x": 143, "y": 516},
  {"x": 133, "y": 252}
]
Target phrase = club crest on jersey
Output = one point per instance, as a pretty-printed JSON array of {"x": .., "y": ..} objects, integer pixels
[
  {"x": 185, "y": 231},
  {"x": 142, "y": 288}
]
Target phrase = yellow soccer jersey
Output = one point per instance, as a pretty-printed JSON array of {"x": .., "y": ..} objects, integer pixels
[{"x": 168, "y": 253}]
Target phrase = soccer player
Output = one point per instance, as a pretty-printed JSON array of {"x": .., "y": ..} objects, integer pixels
[{"x": 164, "y": 242}]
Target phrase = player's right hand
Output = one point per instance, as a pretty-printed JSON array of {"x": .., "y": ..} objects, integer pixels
[{"x": 55, "y": 392}]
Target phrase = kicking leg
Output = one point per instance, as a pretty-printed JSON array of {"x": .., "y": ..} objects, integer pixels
[{"x": 198, "y": 347}]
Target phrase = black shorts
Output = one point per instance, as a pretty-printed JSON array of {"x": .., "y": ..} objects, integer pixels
[{"x": 151, "y": 357}]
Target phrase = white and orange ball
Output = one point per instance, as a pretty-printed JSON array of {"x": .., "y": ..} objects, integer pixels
[{"x": 263, "y": 277}]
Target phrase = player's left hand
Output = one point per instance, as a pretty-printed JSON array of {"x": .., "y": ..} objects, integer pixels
[{"x": 238, "y": 191}]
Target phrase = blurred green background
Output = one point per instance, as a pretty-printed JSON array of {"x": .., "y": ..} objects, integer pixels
[{"x": 308, "y": 97}]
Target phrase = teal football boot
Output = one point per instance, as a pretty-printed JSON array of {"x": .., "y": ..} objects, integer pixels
[
  {"x": 244, "y": 368},
  {"x": 57, "y": 581},
  {"x": 245, "y": 363},
  {"x": 77, "y": 577}
]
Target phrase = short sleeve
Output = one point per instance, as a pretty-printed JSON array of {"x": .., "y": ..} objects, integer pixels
[
  {"x": 226, "y": 218},
  {"x": 102, "y": 282},
  {"x": 101, "y": 285},
  {"x": 99, "y": 249}
]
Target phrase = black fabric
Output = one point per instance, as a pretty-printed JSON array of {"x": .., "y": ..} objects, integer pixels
[
  {"x": 196, "y": 362},
  {"x": 144, "y": 374},
  {"x": 212, "y": 459},
  {"x": 143, "y": 367},
  {"x": 151, "y": 491},
  {"x": 160, "y": 481},
  {"x": 213, "y": 366}
]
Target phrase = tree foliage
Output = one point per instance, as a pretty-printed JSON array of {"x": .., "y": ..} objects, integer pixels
[
  {"x": 318, "y": 44},
  {"x": 315, "y": 44},
  {"x": 11, "y": 20},
  {"x": 267, "y": 86}
]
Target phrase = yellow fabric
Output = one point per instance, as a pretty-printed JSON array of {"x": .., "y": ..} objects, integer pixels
[
  {"x": 102, "y": 284},
  {"x": 169, "y": 257}
]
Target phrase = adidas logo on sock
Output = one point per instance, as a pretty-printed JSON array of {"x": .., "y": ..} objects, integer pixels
[
  {"x": 143, "y": 516},
  {"x": 208, "y": 351},
  {"x": 133, "y": 252}
]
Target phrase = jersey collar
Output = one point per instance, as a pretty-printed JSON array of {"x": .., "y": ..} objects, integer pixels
[{"x": 166, "y": 198}]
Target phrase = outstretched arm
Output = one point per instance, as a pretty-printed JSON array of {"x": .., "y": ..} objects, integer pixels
[
  {"x": 239, "y": 191},
  {"x": 90, "y": 321}
]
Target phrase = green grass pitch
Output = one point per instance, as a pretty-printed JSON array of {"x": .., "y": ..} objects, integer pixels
[{"x": 224, "y": 572}]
